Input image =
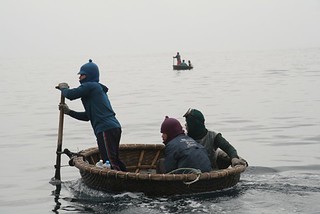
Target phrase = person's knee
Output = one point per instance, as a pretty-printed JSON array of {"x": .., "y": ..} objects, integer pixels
[{"x": 160, "y": 166}]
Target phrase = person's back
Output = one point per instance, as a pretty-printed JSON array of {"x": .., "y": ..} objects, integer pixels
[
  {"x": 181, "y": 151},
  {"x": 184, "y": 152},
  {"x": 96, "y": 104}
]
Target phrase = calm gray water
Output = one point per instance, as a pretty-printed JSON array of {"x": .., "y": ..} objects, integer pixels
[{"x": 266, "y": 103}]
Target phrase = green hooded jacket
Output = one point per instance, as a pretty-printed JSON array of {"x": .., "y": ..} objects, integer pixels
[{"x": 209, "y": 139}]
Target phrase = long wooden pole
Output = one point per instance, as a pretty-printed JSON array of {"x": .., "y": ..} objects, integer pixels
[{"x": 57, "y": 175}]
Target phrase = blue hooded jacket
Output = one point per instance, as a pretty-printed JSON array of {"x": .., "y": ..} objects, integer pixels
[{"x": 96, "y": 103}]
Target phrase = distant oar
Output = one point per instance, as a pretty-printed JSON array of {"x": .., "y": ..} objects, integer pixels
[{"x": 57, "y": 177}]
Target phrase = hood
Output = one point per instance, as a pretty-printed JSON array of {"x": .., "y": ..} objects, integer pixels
[
  {"x": 104, "y": 88},
  {"x": 171, "y": 127},
  {"x": 91, "y": 71},
  {"x": 195, "y": 124}
]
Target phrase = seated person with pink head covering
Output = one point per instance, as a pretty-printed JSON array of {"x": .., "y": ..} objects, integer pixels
[{"x": 181, "y": 151}]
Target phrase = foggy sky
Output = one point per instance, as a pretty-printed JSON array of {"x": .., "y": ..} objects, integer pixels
[{"x": 75, "y": 27}]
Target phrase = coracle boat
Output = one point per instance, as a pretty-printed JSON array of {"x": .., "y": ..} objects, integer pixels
[
  {"x": 182, "y": 67},
  {"x": 141, "y": 160}
]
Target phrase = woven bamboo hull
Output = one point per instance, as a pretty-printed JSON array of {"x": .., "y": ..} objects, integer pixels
[
  {"x": 181, "y": 67},
  {"x": 141, "y": 160}
]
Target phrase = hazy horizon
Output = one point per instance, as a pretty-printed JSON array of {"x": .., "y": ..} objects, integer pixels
[{"x": 79, "y": 27}]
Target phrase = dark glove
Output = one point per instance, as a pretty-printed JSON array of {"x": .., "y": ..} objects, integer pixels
[
  {"x": 63, "y": 85},
  {"x": 65, "y": 108}
]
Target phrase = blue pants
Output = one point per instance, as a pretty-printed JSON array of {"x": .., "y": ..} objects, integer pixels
[{"x": 108, "y": 143}]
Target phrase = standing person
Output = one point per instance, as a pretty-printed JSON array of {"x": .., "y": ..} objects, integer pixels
[
  {"x": 178, "y": 57},
  {"x": 98, "y": 110},
  {"x": 181, "y": 151},
  {"x": 189, "y": 63},
  {"x": 212, "y": 141}
]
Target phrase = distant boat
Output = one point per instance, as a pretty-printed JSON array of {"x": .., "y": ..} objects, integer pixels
[
  {"x": 182, "y": 67},
  {"x": 141, "y": 160}
]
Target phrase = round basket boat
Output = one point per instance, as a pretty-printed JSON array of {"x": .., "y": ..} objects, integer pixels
[
  {"x": 141, "y": 160},
  {"x": 182, "y": 67}
]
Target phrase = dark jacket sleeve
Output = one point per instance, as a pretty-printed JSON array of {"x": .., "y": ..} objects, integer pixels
[
  {"x": 223, "y": 144},
  {"x": 79, "y": 115},
  {"x": 77, "y": 93}
]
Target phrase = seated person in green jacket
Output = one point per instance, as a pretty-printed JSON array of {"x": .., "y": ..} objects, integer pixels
[
  {"x": 183, "y": 63},
  {"x": 221, "y": 153},
  {"x": 181, "y": 151}
]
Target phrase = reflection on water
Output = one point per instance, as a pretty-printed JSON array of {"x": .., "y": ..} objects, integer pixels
[
  {"x": 56, "y": 194},
  {"x": 266, "y": 103}
]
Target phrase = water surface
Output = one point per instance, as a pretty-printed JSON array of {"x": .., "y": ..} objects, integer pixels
[{"x": 266, "y": 103}]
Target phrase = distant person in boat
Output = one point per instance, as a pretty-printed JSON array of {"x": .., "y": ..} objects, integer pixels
[
  {"x": 178, "y": 57},
  {"x": 181, "y": 151},
  {"x": 98, "y": 111},
  {"x": 183, "y": 63},
  {"x": 189, "y": 63},
  {"x": 221, "y": 153}
]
